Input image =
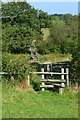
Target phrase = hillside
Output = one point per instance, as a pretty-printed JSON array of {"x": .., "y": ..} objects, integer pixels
[{"x": 29, "y": 33}]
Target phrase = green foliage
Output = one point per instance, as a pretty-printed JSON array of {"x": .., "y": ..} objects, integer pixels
[
  {"x": 74, "y": 48},
  {"x": 75, "y": 66},
  {"x": 15, "y": 65},
  {"x": 35, "y": 81},
  {"x": 44, "y": 19},
  {"x": 20, "y": 27}
]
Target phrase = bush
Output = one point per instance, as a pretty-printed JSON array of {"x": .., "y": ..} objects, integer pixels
[
  {"x": 15, "y": 65},
  {"x": 35, "y": 81},
  {"x": 75, "y": 67}
]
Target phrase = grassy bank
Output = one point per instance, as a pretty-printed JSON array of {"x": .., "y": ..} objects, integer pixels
[
  {"x": 30, "y": 104},
  {"x": 55, "y": 57}
]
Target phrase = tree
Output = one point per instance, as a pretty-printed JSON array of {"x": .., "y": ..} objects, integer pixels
[
  {"x": 72, "y": 35},
  {"x": 44, "y": 19},
  {"x": 20, "y": 27},
  {"x": 58, "y": 35}
]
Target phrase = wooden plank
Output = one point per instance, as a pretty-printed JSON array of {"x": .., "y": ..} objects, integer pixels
[
  {"x": 47, "y": 86},
  {"x": 42, "y": 74},
  {"x": 43, "y": 83},
  {"x": 28, "y": 81},
  {"x": 62, "y": 76},
  {"x": 67, "y": 77},
  {"x": 59, "y": 85},
  {"x": 56, "y": 73},
  {"x": 55, "y": 84},
  {"x": 51, "y": 80},
  {"x": 3, "y": 73},
  {"x": 62, "y": 84}
]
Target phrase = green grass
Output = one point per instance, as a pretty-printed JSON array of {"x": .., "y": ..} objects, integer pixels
[
  {"x": 30, "y": 104},
  {"x": 55, "y": 57},
  {"x": 0, "y": 100}
]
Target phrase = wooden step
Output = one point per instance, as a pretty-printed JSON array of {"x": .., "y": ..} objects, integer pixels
[
  {"x": 47, "y": 86},
  {"x": 53, "y": 80},
  {"x": 60, "y": 85},
  {"x": 52, "y": 85}
]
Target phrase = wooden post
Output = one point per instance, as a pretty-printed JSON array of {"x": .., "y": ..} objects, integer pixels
[
  {"x": 62, "y": 84},
  {"x": 67, "y": 77},
  {"x": 48, "y": 69},
  {"x": 28, "y": 81},
  {"x": 43, "y": 79}
]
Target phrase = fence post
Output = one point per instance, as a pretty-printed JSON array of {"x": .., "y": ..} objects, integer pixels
[
  {"x": 48, "y": 69},
  {"x": 28, "y": 81},
  {"x": 62, "y": 84},
  {"x": 67, "y": 77},
  {"x": 43, "y": 83}
]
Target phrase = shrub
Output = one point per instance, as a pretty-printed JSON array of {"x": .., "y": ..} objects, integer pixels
[
  {"x": 75, "y": 67},
  {"x": 15, "y": 65},
  {"x": 35, "y": 81}
]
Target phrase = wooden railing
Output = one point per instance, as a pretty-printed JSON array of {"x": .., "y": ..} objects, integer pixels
[{"x": 60, "y": 83}]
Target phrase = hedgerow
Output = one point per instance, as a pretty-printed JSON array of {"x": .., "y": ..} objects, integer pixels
[{"x": 16, "y": 66}]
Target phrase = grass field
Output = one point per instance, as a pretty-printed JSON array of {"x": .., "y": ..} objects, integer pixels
[{"x": 31, "y": 104}]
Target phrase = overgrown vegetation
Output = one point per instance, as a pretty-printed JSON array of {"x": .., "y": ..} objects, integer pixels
[
  {"x": 22, "y": 27},
  {"x": 17, "y": 66}
]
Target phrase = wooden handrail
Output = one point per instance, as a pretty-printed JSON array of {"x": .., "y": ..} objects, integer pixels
[
  {"x": 56, "y": 73},
  {"x": 3, "y": 73}
]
